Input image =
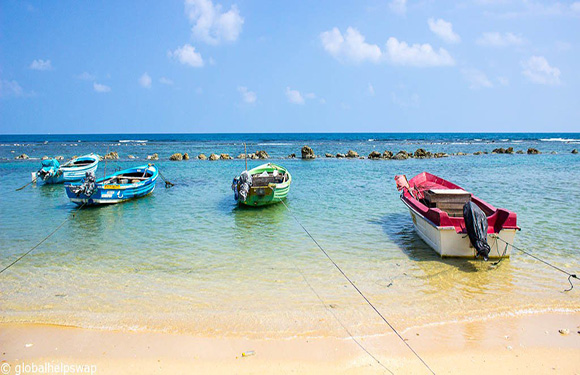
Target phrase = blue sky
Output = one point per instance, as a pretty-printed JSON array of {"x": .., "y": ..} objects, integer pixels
[{"x": 289, "y": 66}]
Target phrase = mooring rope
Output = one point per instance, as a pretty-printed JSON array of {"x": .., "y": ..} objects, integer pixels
[
  {"x": 336, "y": 316},
  {"x": 358, "y": 290},
  {"x": 44, "y": 239},
  {"x": 570, "y": 275},
  {"x": 167, "y": 183}
]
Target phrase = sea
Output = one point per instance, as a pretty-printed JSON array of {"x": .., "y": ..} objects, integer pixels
[{"x": 187, "y": 259}]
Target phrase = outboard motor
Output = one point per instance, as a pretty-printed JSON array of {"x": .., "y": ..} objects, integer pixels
[
  {"x": 245, "y": 184},
  {"x": 50, "y": 168},
  {"x": 476, "y": 225},
  {"x": 88, "y": 187}
]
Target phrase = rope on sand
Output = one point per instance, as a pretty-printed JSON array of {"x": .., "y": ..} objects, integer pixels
[{"x": 359, "y": 291}]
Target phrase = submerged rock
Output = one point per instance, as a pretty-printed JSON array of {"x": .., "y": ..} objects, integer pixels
[
  {"x": 352, "y": 154},
  {"x": 440, "y": 155},
  {"x": 461, "y": 154},
  {"x": 533, "y": 151},
  {"x": 213, "y": 157},
  {"x": 153, "y": 157},
  {"x": 262, "y": 154},
  {"x": 375, "y": 155},
  {"x": 22, "y": 157},
  {"x": 176, "y": 157},
  {"x": 340, "y": 156},
  {"x": 478, "y": 153},
  {"x": 292, "y": 156},
  {"x": 328, "y": 155},
  {"x": 519, "y": 151},
  {"x": 308, "y": 153},
  {"x": 202, "y": 157}
]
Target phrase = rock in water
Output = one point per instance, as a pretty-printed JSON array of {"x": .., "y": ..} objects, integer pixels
[
  {"x": 500, "y": 150},
  {"x": 533, "y": 151},
  {"x": 478, "y": 153},
  {"x": 387, "y": 154},
  {"x": 308, "y": 153},
  {"x": 328, "y": 155},
  {"x": 292, "y": 156},
  {"x": 441, "y": 155},
  {"x": 351, "y": 154},
  {"x": 241, "y": 156},
  {"x": 131, "y": 157},
  {"x": 202, "y": 157},
  {"x": 186, "y": 156},
  {"x": 213, "y": 157},
  {"x": 262, "y": 154},
  {"x": 509, "y": 150},
  {"x": 340, "y": 156},
  {"x": 46, "y": 157},
  {"x": 574, "y": 151},
  {"x": 519, "y": 151},
  {"x": 422, "y": 154},
  {"x": 224, "y": 157},
  {"x": 111, "y": 156},
  {"x": 153, "y": 157},
  {"x": 22, "y": 157},
  {"x": 176, "y": 157},
  {"x": 401, "y": 155},
  {"x": 375, "y": 155}
]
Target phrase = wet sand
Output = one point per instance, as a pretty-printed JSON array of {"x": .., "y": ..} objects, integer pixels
[{"x": 529, "y": 344}]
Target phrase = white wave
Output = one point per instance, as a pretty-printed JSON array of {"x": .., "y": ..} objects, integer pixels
[
  {"x": 133, "y": 141},
  {"x": 274, "y": 144},
  {"x": 559, "y": 139}
]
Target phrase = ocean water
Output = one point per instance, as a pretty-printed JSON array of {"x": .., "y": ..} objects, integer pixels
[{"x": 187, "y": 259}]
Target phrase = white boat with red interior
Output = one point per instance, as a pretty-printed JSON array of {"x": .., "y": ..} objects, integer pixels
[{"x": 448, "y": 218}]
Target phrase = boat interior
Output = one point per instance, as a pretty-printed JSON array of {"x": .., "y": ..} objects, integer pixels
[
  {"x": 128, "y": 178},
  {"x": 265, "y": 178},
  {"x": 78, "y": 163}
]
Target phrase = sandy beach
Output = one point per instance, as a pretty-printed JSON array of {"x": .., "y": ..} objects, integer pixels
[{"x": 526, "y": 344}]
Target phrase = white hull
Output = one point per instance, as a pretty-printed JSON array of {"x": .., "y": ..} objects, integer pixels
[{"x": 448, "y": 243}]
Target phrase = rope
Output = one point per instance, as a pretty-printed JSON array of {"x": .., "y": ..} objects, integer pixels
[
  {"x": 570, "y": 275},
  {"x": 167, "y": 183},
  {"x": 31, "y": 182},
  {"x": 44, "y": 239},
  {"x": 359, "y": 291}
]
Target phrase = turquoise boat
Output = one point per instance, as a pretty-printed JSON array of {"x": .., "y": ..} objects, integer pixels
[
  {"x": 119, "y": 187},
  {"x": 51, "y": 172},
  {"x": 261, "y": 186}
]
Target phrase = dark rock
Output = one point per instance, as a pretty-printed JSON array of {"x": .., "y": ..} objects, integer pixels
[
  {"x": 186, "y": 156},
  {"x": 292, "y": 156},
  {"x": 308, "y": 153},
  {"x": 422, "y": 154},
  {"x": 351, "y": 154},
  {"x": 401, "y": 155},
  {"x": 176, "y": 157},
  {"x": 519, "y": 151},
  {"x": 375, "y": 155},
  {"x": 328, "y": 155},
  {"x": 500, "y": 150},
  {"x": 262, "y": 155},
  {"x": 387, "y": 154},
  {"x": 533, "y": 151},
  {"x": 478, "y": 153},
  {"x": 340, "y": 156},
  {"x": 574, "y": 151}
]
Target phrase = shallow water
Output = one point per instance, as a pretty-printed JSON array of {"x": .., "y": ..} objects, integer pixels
[{"x": 187, "y": 259}]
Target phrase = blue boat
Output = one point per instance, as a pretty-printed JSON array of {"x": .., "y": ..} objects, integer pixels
[
  {"x": 51, "y": 172},
  {"x": 119, "y": 187}
]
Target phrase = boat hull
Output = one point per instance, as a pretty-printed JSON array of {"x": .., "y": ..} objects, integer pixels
[
  {"x": 111, "y": 194},
  {"x": 72, "y": 174},
  {"x": 269, "y": 194}
]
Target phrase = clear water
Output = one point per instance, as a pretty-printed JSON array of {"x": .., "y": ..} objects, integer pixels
[{"x": 187, "y": 259}]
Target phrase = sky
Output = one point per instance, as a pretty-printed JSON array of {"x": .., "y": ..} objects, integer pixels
[{"x": 211, "y": 66}]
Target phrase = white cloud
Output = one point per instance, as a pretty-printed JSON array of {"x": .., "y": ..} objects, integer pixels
[
  {"x": 84, "y": 76},
  {"x": 145, "y": 81},
  {"x": 247, "y": 95},
  {"x": 537, "y": 70},
  {"x": 371, "y": 90},
  {"x": 10, "y": 89},
  {"x": 101, "y": 88},
  {"x": 187, "y": 56},
  {"x": 420, "y": 55},
  {"x": 476, "y": 78},
  {"x": 495, "y": 39},
  {"x": 504, "y": 81},
  {"x": 350, "y": 47},
  {"x": 443, "y": 30},
  {"x": 294, "y": 96},
  {"x": 41, "y": 65},
  {"x": 210, "y": 24},
  {"x": 398, "y": 6},
  {"x": 165, "y": 81}
]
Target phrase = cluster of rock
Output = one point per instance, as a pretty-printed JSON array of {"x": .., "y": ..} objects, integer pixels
[
  {"x": 510, "y": 150},
  {"x": 176, "y": 157},
  {"x": 113, "y": 155}
]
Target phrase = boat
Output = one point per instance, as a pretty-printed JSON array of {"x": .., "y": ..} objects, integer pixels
[
  {"x": 441, "y": 213},
  {"x": 119, "y": 187},
  {"x": 266, "y": 184},
  {"x": 51, "y": 172}
]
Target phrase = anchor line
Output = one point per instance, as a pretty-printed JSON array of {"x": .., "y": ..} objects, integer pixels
[
  {"x": 44, "y": 239},
  {"x": 359, "y": 291},
  {"x": 570, "y": 275}
]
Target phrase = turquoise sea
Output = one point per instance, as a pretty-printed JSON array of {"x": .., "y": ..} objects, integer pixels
[{"x": 187, "y": 259}]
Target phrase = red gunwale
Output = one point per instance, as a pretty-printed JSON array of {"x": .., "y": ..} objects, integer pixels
[{"x": 497, "y": 218}]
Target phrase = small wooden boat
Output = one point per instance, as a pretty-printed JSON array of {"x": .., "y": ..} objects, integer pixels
[
  {"x": 119, "y": 187},
  {"x": 438, "y": 209},
  {"x": 51, "y": 172},
  {"x": 263, "y": 185}
]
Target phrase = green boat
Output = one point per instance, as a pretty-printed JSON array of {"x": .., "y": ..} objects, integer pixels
[{"x": 263, "y": 185}]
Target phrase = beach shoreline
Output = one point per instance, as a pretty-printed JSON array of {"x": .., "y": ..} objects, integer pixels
[{"x": 529, "y": 344}]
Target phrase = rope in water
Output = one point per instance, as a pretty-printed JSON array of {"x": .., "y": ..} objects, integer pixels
[
  {"x": 336, "y": 317},
  {"x": 570, "y": 275},
  {"x": 358, "y": 290},
  {"x": 44, "y": 239},
  {"x": 167, "y": 183}
]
